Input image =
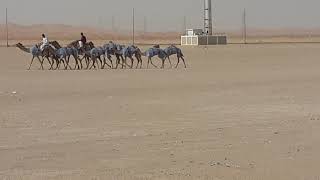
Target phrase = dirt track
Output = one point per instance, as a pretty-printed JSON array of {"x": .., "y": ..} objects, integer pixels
[{"x": 237, "y": 112}]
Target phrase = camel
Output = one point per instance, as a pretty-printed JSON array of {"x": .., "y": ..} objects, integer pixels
[
  {"x": 36, "y": 52},
  {"x": 131, "y": 50},
  {"x": 61, "y": 55},
  {"x": 82, "y": 51},
  {"x": 171, "y": 50},
  {"x": 155, "y": 52},
  {"x": 71, "y": 51},
  {"x": 86, "y": 47},
  {"x": 116, "y": 50},
  {"x": 95, "y": 54}
]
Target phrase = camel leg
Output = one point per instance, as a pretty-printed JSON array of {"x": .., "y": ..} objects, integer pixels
[
  {"x": 62, "y": 61},
  {"x": 87, "y": 62},
  {"x": 110, "y": 63},
  {"x": 131, "y": 62},
  {"x": 105, "y": 63},
  {"x": 49, "y": 61},
  {"x": 41, "y": 62},
  {"x": 140, "y": 62},
  {"x": 77, "y": 62},
  {"x": 68, "y": 63},
  {"x": 93, "y": 63},
  {"x": 148, "y": 62},
  {"x": 100, "y": 62},
  {"x": 87, "y": 59},
  {"x": 152, "y": 63},
  {"x": 123, "y": 62},
  {"x": 57, "y": 64},
  {"x": 170, "y": 62},
  {"x": 117, "y": 61},
  {"x": 83, "y": 58},
  {"x": 162, "y": 66},
  {"x": 185, "y": 66},
  {"x": 178, "y": 62},
  {"x": 96, "y": 64},
  {"x": 126, "y": 64},
  {"x": 64, "y": 64},
  {"x": 31, "y": 63},
  {"x": 76, "y": 66},
  {"x": 80, "y": 61},
  {"x": 51, "y": 65},
  {"x": 120, "y": 60}
]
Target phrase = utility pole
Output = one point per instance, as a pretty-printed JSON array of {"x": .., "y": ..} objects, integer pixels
[
  {"x": 244, "y": 26},
  {"x": 144, "y": 26},
  {"x": 113, "y": 24},
  {"x": 133, "y": 26},
  {"x": 7, "y": 29},
  {"x": 184, "y": 24}
]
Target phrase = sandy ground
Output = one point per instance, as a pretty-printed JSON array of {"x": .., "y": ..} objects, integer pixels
[{"x": 237, "y": 112}]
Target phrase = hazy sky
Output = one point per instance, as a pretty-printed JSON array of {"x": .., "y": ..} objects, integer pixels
[{"x": 164, "y": 15}]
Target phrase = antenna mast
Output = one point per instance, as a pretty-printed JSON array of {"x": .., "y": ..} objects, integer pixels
[
  {"x": 7, "y": 29},
  {"x": 244, "y": 26},
  {"x": 133, "y": 26}
]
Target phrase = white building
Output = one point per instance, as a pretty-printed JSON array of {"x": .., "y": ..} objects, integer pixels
[{"x": 196, "y": 37}]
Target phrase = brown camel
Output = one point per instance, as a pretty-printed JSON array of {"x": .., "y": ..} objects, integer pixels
[
  {"x": 82, "y": 51},
  {"x": 37, "y": 53}
]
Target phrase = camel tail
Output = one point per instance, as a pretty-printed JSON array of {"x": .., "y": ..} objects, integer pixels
[{"x": 23, "y": 48}]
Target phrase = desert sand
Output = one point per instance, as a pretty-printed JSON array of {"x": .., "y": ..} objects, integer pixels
[{"x": 237, "y": 112}]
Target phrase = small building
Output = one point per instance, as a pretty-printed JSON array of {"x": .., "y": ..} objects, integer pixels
[{"x": 196, "y": 37}]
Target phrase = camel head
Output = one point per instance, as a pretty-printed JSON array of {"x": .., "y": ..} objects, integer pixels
[{"x": 22, "y": 47}]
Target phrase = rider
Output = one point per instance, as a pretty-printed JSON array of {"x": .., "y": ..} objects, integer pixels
[
  {"x": 82, "y": 41},
  {"x": 45, "y": 42}
]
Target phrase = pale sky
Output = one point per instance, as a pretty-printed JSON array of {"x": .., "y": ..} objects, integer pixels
[{"x": 164, "y": 15}]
